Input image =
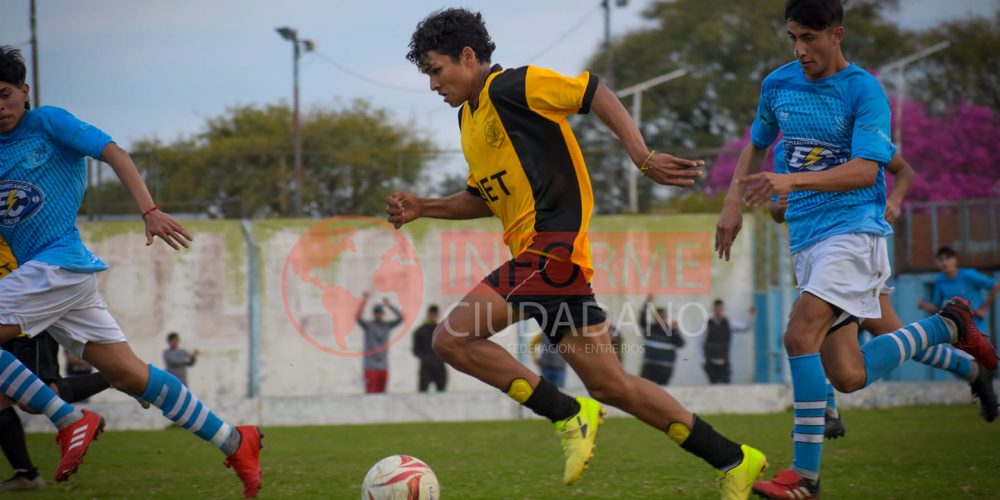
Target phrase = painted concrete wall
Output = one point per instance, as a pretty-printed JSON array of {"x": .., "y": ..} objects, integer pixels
[{"x": 311, "y": 275}]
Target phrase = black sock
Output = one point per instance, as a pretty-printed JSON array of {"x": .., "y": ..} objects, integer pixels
[
  {"x": 12, "y": 442},
  {"x": 546, "y": 400},
  {"x": 73, "y": 389},
  {"x": 711, "y": 446}
]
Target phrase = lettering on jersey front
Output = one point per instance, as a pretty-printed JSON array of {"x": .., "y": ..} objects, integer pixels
[
  {"x": 494, "y": 133},
  {"x": 19, "y": 201},
  {"x": 814, "y": 156},
  {"x": 493, "y": 184}
]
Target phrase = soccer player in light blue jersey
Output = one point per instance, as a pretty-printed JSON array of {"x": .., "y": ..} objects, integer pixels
[
  {"x": 835, "y": 119},
  {"x": 967, "y": 283},
  {"x": 942, "y": 356},
  {"x": 42, "y": 182}
]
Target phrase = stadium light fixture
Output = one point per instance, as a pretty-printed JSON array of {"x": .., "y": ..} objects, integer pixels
[
  {"x": 636, "y": 92},
  {"x": 291, "y": 35}
]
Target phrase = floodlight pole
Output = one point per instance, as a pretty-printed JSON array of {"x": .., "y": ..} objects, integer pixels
[
  {"x": 900, "y": 66},
  {"x": 636, "y": 92},
  {"x": 292, "y": 35},
  {"x": 35, "y": 86}
]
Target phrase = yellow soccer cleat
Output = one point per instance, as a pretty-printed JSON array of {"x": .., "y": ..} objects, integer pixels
[
  {"x": 578, "y": 434},
  {"x": 736, "y": 482}
]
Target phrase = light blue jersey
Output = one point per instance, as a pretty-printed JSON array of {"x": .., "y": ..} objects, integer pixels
[
  {"x": 969, "y": 284},
  {"x": 826, "y": 123},
  {"x": 42, "y": 181}
]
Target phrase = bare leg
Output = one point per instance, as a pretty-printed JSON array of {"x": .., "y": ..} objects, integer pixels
[
  {"x": 119, "y": 365},
  {"x": 592, "y": 357}
]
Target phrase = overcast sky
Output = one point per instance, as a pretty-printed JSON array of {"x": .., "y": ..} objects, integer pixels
[{"x": 145, "y": 69}]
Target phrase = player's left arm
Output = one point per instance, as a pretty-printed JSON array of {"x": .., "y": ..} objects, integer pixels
[
  {"x": 985, "y": 283},
  {"x": 902, "y": 172},
  {"x": 662, "y": 168},
  {"x": 158, "y": 222}
]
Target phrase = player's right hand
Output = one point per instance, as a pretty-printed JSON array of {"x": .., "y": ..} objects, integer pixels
[
  {"x": 729, "y": 225},
  {"x": 673, "y": 171},
  {"x": 402, "y": 207}
]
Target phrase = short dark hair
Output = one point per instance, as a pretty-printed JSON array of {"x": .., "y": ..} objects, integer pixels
[
  {"x": 12, "y": 68},
  {"x": 173, "y": 336},
  {"x": 449, "y": 31},
  {"x": 718, "y": 302},
  {"x": 433, "y": 309},
  {"x": 945, "y": 252},
  {"x": 815, "y": 14}
]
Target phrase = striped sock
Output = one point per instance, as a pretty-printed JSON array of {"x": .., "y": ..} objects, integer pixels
[
  {"x": 947, "y": 357},
  {"x": 809, "y": 394},
  {"x": 19, "y": 384},
  {"x": 831, "y": 400},
  {"x": 885, "y": 353},
  {"x": 181, "y": 406}
]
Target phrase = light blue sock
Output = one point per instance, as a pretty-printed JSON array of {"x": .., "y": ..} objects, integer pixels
[
  {"x": 167, "y": 393},
  {"x": 831, "y": 400},
  {"x": 809, "y": 394},
  {"x": 885, "y": 353},
  {"x": 947, "y": 357},
  {"x": 19, "y": 384}
]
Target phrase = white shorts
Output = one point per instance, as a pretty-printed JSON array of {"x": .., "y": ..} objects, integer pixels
[
  {"x": 39, "y": 296},
  {"x": 848, "y": 271}
]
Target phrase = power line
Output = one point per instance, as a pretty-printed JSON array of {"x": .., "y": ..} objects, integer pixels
[
  {"x": 367, "y": 79},
  {"x": 579, "y": 24}
]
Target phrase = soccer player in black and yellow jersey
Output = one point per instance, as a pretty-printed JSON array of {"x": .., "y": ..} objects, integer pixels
[{"x": 526, "y": 168}]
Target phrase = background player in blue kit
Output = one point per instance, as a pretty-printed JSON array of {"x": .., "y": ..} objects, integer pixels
[
  {"x": 834, "y": 118},
  {"x": 42, "y": 182},
  {"x": 969, "y": 284}
]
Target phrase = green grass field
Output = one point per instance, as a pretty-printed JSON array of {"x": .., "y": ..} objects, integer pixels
[{"x": 912, "y": 453}]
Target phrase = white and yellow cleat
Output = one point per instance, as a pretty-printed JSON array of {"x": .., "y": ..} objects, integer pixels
[
  {"x": 737, "y": 482},
  {"x": 578, "y": 434}
]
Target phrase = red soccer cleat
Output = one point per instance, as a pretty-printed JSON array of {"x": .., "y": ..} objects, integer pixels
[
  {"x": 246, "y": 460},
  {"x": 74, "y": 442},
  {"x": 970, "y": 339},
  {"x": 787, "y": 484}
]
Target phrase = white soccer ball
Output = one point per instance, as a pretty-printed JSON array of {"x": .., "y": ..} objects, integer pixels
[{"x": 400, "y": 477}]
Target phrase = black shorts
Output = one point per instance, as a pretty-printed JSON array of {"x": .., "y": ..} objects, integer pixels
[
  {"x": 549, "y": 288},
  {"x": 40, "y": 354}
]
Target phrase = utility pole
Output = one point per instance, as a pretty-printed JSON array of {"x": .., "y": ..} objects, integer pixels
[{"x": 36, "y": 101}]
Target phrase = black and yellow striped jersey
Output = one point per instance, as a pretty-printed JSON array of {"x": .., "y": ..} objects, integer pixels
[
  {"x": 7, "y": 261},
  {"x": 524, "y": 160}
]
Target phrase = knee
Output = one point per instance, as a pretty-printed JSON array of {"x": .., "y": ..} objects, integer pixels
[
  {"x": 614, "y": 391},
  {"x": 847, "y": 381},
  {"x": 444, "y": 344},
  {"x": 802, "y": 339}
]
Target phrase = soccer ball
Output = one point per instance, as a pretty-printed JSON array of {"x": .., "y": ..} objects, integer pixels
[{"x": 400, "y": 477}]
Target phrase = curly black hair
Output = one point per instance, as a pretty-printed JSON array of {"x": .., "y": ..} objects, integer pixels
[
  {"x": 12, "y": 69},
  {"x": 449, "y": 31}
]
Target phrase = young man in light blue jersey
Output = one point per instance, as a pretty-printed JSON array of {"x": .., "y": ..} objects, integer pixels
[
  {"x": 42, "y": 182},
  {"x": 942, "y": 356},
  {"x": 835, "y": 121},
  {"x": 967, "y": 283}
]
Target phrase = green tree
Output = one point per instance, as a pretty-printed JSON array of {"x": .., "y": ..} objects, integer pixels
[
  {"x": 241, "y": 165},
  {"x": 968, "y": 71}
]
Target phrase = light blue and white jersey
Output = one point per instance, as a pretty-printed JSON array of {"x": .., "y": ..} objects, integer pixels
[
  {"x": 824, "y": 124},
  {"x": 42, "y": 180}
]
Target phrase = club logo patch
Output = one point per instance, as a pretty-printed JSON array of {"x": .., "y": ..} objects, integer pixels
[
  {"x": 494, "y": 133},
  {"x": 19, "y": 201},
  {"x": 815, "y": 156}
]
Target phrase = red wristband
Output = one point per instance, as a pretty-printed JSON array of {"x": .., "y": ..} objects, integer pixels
[{"x": 147, "y": 212}]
